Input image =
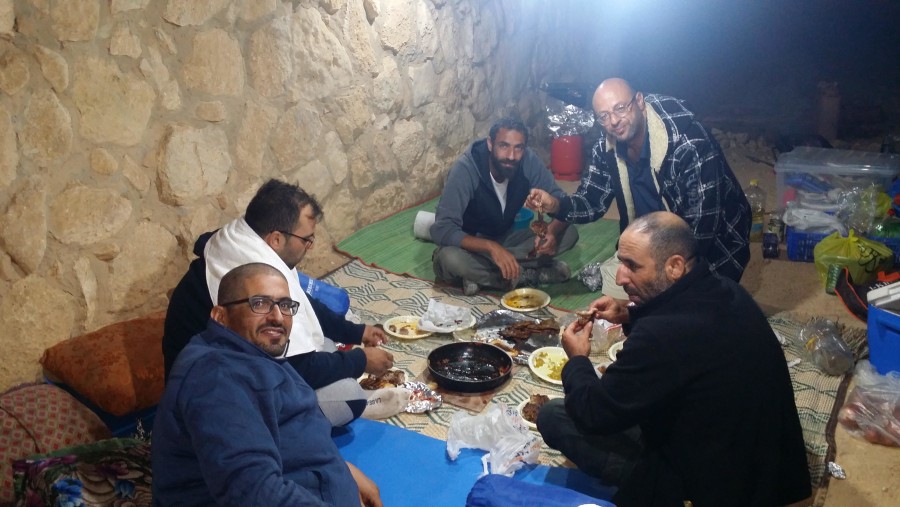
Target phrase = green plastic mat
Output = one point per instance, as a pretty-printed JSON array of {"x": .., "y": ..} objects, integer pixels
[{"x": 390, "y": 245}]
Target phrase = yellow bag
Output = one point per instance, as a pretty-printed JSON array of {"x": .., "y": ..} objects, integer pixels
[{"x": 863, "y": 257}]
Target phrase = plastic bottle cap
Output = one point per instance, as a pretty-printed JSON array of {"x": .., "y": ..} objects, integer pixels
[{"x": 754, "y": 182}]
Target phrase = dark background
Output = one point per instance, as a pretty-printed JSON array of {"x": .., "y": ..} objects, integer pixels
[{"x": 757, "y": 63}]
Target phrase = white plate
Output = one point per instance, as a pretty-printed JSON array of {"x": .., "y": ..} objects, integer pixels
[
  {"x": 458, "y": 327},
  {"x": 409, "y": 323},
  {"x": 549, "y": 356},
  {"x": 525, "y": 300},
  {"x": 521, "y": 406},
  {"x": 614, "y": 349}
]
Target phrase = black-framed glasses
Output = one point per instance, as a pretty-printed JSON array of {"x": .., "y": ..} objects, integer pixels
[
  {"x": 620, "y": 111},
  {"x": 307, "y": 240},
  {"x": 263, "y": 305}
]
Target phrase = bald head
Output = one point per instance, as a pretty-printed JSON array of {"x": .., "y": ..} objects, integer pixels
[
  {"x": 620, "y": 111},
  {"x": 232, "y": 285},
  {"x": 668, "y": 234}
]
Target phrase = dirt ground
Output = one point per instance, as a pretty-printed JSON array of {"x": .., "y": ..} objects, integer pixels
[{"x": 779, "y": 285}]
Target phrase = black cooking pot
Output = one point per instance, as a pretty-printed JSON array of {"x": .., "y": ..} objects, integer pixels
[{"x": 469, "y": 367}]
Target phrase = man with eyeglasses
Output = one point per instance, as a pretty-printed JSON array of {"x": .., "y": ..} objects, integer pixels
[
  {"x": 237, "y": 426},
  {"x": 653, "y": 155},
  {"x": 477, "y": 245},
  {"x": 278, "y": 229}
]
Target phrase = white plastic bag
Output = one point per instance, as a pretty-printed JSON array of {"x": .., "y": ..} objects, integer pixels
[
  {"x": 872, "y": 410},
  {"x": 501, "y": 432}
]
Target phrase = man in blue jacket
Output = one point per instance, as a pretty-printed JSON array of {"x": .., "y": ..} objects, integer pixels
[
  {"x": 473, "y": 226},
  {"x": 238, "y": 426}
]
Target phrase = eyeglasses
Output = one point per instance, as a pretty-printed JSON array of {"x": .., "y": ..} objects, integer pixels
[
  {"x": 263, "y": 305},
  {"x": 620, "y": 111},
  {"x": 307, "y": 240}
]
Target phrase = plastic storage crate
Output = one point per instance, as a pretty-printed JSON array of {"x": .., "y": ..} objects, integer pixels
[
  {"x": 800, "y": 245},
  {"x": 884, "y": 339},
  {"x": 816, "y": 171}
]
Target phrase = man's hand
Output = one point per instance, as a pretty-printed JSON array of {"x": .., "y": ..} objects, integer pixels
[
  {"x": 611, "y": 310},
  {"x": 545, "y": 245},
  {"x": 369, "y": 495},
  {"x": 373, "y": 336},
  {"x": 378, "y": 361},
  {"x": 509, "y": 266},
  {"x": 541, "y": 200},
  {"x": 576, "y": 339}
]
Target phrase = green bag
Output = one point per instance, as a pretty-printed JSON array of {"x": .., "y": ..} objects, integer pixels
[{"x": 863, "y": 257}]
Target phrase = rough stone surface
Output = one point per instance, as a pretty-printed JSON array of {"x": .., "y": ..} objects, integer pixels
[
  {"x": 124, "y": 43},
  {"x": 372, "y": 8},
  {"x": 88, "y": 282},
  {"x": 23, "y": 230},
  {"x": 399, "y": 26},
  {"x": 251, "y": 10},
  {"x": 192, "y": 163},
  {"x": 7, "y": 17},
  {"x": 355, "y": 114},
  {"x": 143, "y": 265},
  {"x": 153, "y": 67},
  {"x": 215, "y": 65},
  {"x": 47, "y": 135},
  {"x": 115, "y": 107},
  {"x": 135, "y": 174},
  {"x": 75, "y": 20},
  {"x": 53, "y": 67},
  {"x": 334, "y": 158},
  {"x": 192, "y": 12},
  {"x": 270, "y": 62},
  {"x": 117, "y": 6},
  {"x": 211, "y": 111},
  {"x": 315, "y": 178},
  {"x": 102, "y": 162},
  {"x": 409, "y": 144},
  {"x": 83, "y": 215},
  {"x": 341, "y": 210},
  {"x": 359, "y": 37},
  {"x": 426, "y": 83},
  {"x": 9, "y": 155},
  {"x": 387, "y": 91},
  {"x": 253, "y": 136},
  {"x": 35, "y": 309},
  {"x": 14, "y": 72},
  {"x": 166, "y": 41},
  {"x": 296, "y": 136},
  {"x": 319, "y": 77}
]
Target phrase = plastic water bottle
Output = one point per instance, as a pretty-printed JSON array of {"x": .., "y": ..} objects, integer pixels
[
  {"x": 757, "y": 199},
  {"x": 335, "y": 298}
]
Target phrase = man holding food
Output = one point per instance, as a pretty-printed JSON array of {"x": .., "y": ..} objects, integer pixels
[
  {"x": 698, "y": 405},
  {"x": 473, "y": 228}
]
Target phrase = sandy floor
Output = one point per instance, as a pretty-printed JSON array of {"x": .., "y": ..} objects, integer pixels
[{"x": 779, "y": 285}]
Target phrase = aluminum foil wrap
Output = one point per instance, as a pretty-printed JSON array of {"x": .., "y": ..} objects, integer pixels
[
  {"x": 836, "y": 471},
  {"x": 567, "y": 120},
  {"x": 590, "y": 276},
  {"x": 421, "y": 398}
]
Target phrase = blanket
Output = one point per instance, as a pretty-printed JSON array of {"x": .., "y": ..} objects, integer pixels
[{"x": 391, "y": 245}]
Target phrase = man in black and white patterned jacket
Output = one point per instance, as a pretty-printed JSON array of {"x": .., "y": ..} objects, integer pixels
[{"x": 653, "y": 155}]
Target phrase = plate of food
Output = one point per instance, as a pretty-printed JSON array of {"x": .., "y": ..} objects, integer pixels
[
  {"x": 547, "y": 363},
  {"x": 614, "y": 349},
  {"x": 525, "y": 300},
  {"x": 405, "y": 327},
  {"x": 529, "y": 408}
]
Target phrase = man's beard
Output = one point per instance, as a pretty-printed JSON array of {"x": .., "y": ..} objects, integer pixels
[
  {"x": 506, "y": 171},
  {"x": 659, "y": 285}
]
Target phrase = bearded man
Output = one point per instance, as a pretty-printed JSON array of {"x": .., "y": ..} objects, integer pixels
[
  {"x": 698, "y": 407},
  {"x": 473, "y": 228}
]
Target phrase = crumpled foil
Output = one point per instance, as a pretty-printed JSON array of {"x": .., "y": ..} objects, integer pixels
[
  {"x": 421, "y": 398},
  {"x": 836, "y": 470},
  {"x": 567, "y": 120},
  {"x": 590, "y": 276}
]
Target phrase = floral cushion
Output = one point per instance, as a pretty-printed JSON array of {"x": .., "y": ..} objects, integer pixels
[
  {"x": 40, "y": 418},
  {"x": 118, "y": 368},
  {"x": 114, "y": 472}
]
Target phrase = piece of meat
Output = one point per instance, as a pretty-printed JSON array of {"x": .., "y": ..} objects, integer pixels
[
  {"x": 531, "y": 409},
  {"x": 391, "y": 378},
  {"x": 525, "y": 329}
]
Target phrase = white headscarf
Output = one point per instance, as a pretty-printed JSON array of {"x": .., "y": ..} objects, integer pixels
[{"x": 237, "y": 244}]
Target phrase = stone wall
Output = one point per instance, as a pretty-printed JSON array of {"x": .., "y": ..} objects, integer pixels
[{"x": 129, "y": 127}]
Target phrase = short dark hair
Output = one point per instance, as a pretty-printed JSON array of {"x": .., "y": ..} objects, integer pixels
[
  {"x": 667, "y": 237},
  {"x": 508, "y": 123},
  {"x": 232, "y": 284},
  {"x": 276, "y": 207}
]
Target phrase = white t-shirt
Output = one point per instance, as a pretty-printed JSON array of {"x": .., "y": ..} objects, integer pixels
[{"x": 500, "y": 189}]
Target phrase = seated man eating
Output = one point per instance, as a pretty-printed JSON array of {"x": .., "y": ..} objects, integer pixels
[{"x": 238, "y": 426}]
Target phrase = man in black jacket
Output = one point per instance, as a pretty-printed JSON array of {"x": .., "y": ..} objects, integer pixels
[
  {"x": 698, "y": 405},
  {"x": 278, "y": 229}
]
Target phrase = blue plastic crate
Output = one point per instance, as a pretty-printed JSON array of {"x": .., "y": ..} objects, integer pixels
[
  {"x": 884, "y": 340},
  {"x": 800, "y": 245}
]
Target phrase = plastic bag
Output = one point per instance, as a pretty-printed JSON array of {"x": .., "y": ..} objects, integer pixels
[
  {"x": 824, "y": 346},
  {"x": 591, "y": 276},
  {"x": 872, "y": 410},
  {"x": 863, "y": 257},
  {"x": 501, "y": 432}
]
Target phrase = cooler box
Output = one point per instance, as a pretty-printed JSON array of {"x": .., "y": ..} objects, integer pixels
[
  {"x": 809, "y": 173},
  {"x": 884, "y": 339}
]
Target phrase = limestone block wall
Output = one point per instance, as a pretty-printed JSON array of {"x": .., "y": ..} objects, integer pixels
[{"x": 129, "y": 127}]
